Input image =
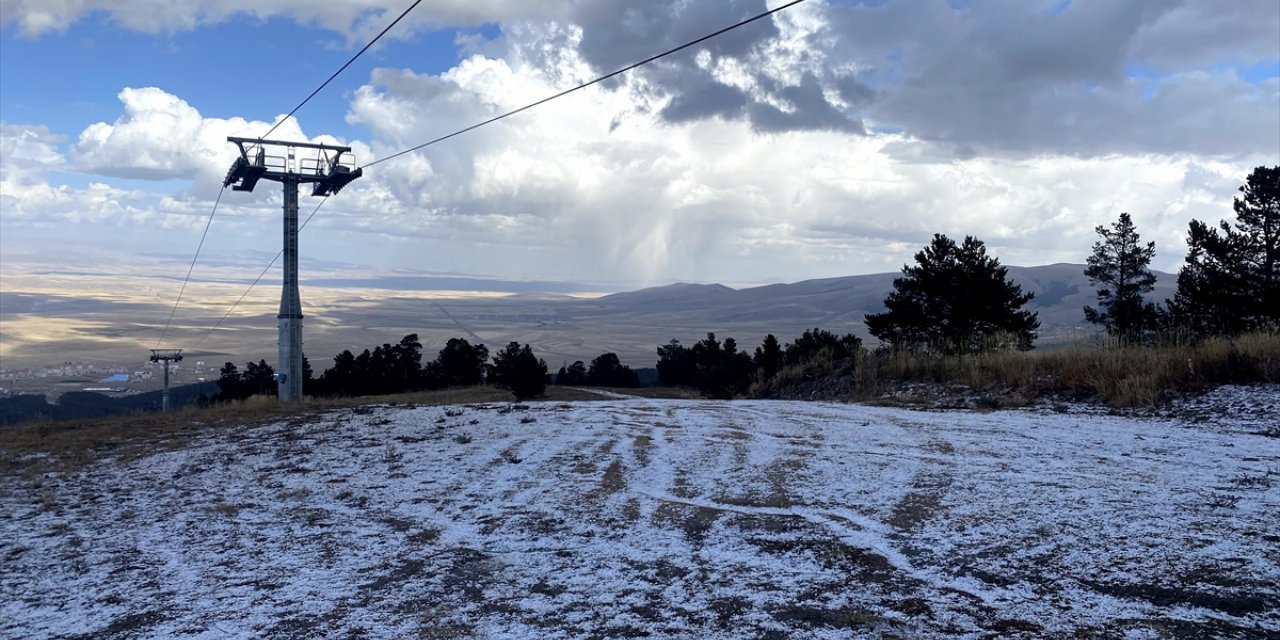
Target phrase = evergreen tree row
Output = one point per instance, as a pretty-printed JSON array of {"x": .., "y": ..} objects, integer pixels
[
  {"x": 398, "y": 368},
  {"x": 257, "y": 378},
  {"x": 1229, "y": 283},
  {"x": 720, "y": 370},
  {"x": 606, "y": 370}
]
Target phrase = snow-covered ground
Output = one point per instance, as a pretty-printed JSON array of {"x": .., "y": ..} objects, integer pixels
[{"x": 679, "y": 519}]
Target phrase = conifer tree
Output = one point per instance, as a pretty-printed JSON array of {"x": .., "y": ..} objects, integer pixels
[
  {"x": 340, "y": 379},
  {"x": 768, "y": 357},
  {"x": 461, "y": 364},
  {"x": 677, "y": 366},
  {"x": 1120, "y": 266},
  {"x": 955, "y": 300},
  {"x": 230, "y": 385},
  {"x": 1230, "y": 280},
  {"x": 258, "y": 379},
  {"x": 820, "y": 343},
  {"x": 516, "y": 368},
  {"x": 608, "y": 371},
  {"x": 574, "y": 374},
  {"x": 722, "y": 371}
]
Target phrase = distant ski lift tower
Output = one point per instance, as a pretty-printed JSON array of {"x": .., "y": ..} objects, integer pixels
[
  {"x": 166, "y": 356},
  {"x": 329, "y": 168}
]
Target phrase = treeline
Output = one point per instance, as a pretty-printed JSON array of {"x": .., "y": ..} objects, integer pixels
[
  {"x": 398, "y": 368},
  {"x": 606, "y": 370},
  {"x": 74, "y": 405},
  {"x": 1229, "y": 283},
  {"x": 956, "y": 306},
  {"x": 720, "y": 370}
]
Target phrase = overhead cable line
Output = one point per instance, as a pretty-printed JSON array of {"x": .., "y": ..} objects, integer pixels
[
  {"x": 592, "y": 82},
  {"x": 343, "y": 68},
  {"x": 191, "y": 268},
  {"x": 257, "y": 279}
]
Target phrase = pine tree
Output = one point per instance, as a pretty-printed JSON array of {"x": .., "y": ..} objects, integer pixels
[
  {"x": 308, "y": 377},
  {"x": 1230, "y": 280},
  {"x": 608, "y": 371},
  {"x": 230, "y": 385},
  {"x": 362, "y": 383},
  {"x": 720, "y": 370},
  {"x": 259, "y": 379},
  {"x": 574, "y": 374},
  {"x": 819, "y": 343},
  {"x": 1120, "y": 267},
  {"x": 462, "y": 364},
  {"x": 955, "y": 300},
  {"x": 339, "y": 380},
  {"x": 676, "y": 365},
  {"x": 768, "y": 358},
  {"x": 516, "y": 368},
  {"x": 406, "y": 364}
]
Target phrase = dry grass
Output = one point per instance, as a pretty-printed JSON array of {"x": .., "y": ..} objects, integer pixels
[
  {"x": 76, "y": 440},
  {"x": 1121, "y": 375}
]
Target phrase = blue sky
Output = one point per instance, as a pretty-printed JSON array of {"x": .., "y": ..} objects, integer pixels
[
  {"x": 256, "y": 69},
  {"x": 832, "y": 139}
]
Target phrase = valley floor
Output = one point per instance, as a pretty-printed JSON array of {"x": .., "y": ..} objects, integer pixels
[{"x": 678, "y": 519}]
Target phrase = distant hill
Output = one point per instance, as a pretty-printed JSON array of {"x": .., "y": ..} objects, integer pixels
[
  {"x": 1061, "y": 292},
  {"x": 88, "y": 404},
  {"x": 561, "y": 328},
  {"x": 678, "y": 296}
]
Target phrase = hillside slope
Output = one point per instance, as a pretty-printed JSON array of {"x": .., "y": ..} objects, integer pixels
[
  {"x": 1062, "y": 291},
  {"x": 649, "y": 517}
]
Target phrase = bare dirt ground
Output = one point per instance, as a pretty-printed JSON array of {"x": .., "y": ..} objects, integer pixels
[{"x": 662, "y": 518}]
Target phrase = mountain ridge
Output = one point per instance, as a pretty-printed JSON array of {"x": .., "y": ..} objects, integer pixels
[{"x": 1061, "y": 292}]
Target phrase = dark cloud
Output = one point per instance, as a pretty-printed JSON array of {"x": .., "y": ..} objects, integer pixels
[
  {"x": 809, "y": 110},
  {"x": 707, "y": 99},
  {"x": 1206, "y": 33},
  {"x": 1012, "y": 76},
  {"x": 1089, "y": 77},
  {"x": 618, "y": 32},
  {"x": 854, "y": 92},
  {"x": 1086, "y": 42}
]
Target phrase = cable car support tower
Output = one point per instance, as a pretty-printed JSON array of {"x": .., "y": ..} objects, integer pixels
[
  {"x": 328, "y": 168},
  {"x": 166, "y": 356}
]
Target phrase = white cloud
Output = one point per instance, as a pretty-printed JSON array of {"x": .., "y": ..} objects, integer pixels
[
  {"x": 28, "y": 150},
  {"x": 36, "y": 202},
  {"x": 159, "y": 136}
]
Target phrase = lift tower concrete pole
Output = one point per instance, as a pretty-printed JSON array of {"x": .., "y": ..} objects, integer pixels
[
  {"x": 166, "y": 356},
  {"x": 290, "y": 318},
  {"x": 329, "y": 169}
]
